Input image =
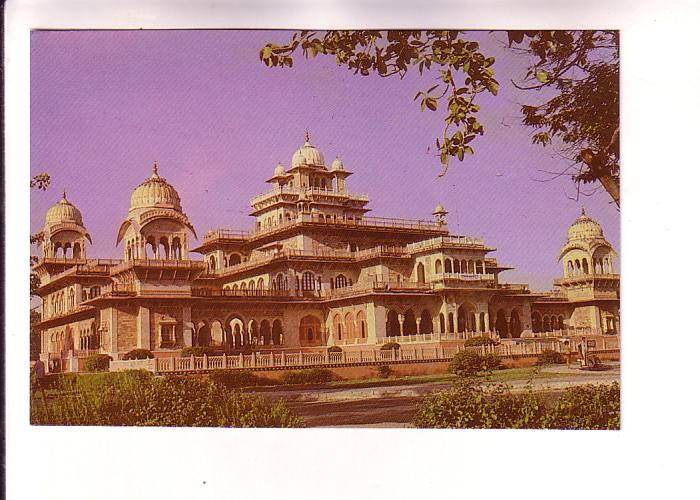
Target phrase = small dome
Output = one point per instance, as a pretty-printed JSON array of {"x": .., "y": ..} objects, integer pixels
[
  {"x": 155, "y": 192},
  {"x": 584, "y": 228},
  {"x": 279, "y": 169},
  {"x": 63, "y": 212},
  {"x": 439, "y": 209},
  {"x": 337, "y": 164},
  {"x": 308, "y": 155}
]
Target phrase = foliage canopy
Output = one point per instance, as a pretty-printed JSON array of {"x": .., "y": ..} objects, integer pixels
[{"x": 582, "y": 67}]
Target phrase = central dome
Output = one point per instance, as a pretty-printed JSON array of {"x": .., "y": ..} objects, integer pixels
[
  {"x": 63, "y": 212},
  {"x": 155, "y": 192},
  {"x": 308, "y": 155},
  {"x": 584, "y": 228}
]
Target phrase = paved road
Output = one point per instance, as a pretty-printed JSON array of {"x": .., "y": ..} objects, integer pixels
[{"x": 395, "y": 406}]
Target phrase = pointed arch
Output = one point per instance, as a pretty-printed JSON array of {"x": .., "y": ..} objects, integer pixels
[
  {"x": 361, "y": 324},
  {"x": 536, "y": 319},
  {"x": 426, "y": 322},
  {"x": 349, "y": 325},
  {"x": 515, "y": 327},
  {"x": 409, "y": 323},
  {"x": 310, "y": 330},
  {"x": 420, "y": 272},
  {"x": 393, "y": 328},
  {"x": 277, "y": 333},
  {"x": 448, "y": 265},
  {"x": 265, "y": 332}
]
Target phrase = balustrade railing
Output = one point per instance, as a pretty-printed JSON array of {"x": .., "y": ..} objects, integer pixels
[
  {"x": 443, "y": 241},
  {"x": 313, "y": 191},
  {"x": 414, "y": 353},
  {"x": 365, "y": 221},
  {"x": 462, "y": 277}
]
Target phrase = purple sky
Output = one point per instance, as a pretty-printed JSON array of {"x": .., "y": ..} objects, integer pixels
[{"x": 104, "y": 105}]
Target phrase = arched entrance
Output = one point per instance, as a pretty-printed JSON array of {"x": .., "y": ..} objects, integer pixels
[
  {"x": 265, "y": 332},
  {"x": 277, "y": 332},
  {"x": 515, "y": 325},
  {"x": 501, "y": 323},
  {"x": 393, "y": 328},
  {"x": 426, "y": 322},
  {"x": 536, "y": 322},
  {"x": 421, "y": 273},
  {"x": 409, "y": 323},
  {"x": 204, "y": 335},
  {"x": 310, "y": 330}
]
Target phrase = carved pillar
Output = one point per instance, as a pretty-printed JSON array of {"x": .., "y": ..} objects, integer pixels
[
  {"x": 143, "y": 328},
  {"x": 186, "y": 328}
]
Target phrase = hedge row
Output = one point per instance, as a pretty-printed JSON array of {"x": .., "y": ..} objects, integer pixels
[
  {"x": 137, "y": 398},
  {"x": 469, "y": 405}
]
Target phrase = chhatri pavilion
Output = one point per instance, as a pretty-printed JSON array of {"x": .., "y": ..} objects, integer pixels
[{"x": 314, "y": 271}]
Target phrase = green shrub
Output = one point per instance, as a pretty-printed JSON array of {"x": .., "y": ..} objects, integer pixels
[
  {"x": 469, "y": 405},
  {"x": 312, "y": 376},
  {"x": 98, "y": 362},
  {"x": 550, "y": 357},
  {"x": 197, "y": 351},
  {"x": 586, "y": 407},
  {"x": 234, "y": 379},
  {"x": 390, "y": 345},
  {"x": 335, "y": 348},
  {"x": 492, "y": 361},
  {"x": 470, "y": 363},
  {"x": 384, "y": 371},
  {"x": 477, "y": 341},
  {"x": 466, "y": 364},
  {"x": 138, "y": 354},
  {"x": 141, "y": 399}
]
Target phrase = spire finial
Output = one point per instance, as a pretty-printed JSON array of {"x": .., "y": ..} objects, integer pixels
[
  {"x": 306, "y": 135},
  {"x": 583, "y": 210},
  {"x": 155, "y": 167},
  {"x": 65, "y": 197}
]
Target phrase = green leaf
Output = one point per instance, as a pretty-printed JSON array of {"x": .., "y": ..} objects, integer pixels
[
  {"x": 492, "y": 86},
  {"x": 542, "y": 76},
  {"x": 431, "y": 103}
]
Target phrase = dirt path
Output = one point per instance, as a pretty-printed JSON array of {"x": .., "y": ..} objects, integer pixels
[{"x": 394, "y": 406}]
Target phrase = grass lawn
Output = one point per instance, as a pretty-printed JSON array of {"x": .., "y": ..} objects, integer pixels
[{"x": 506, "y": 375}]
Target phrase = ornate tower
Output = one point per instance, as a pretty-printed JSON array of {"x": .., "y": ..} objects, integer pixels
[
  {"x": 155, "y": 227},
  {"x": 440, "y": 215},
  {"x": 308, "y": 191},
  {"x": 590, "y": 283},
  {"x": 586, "y": 251},
  {"x": 64, "y": 234}
]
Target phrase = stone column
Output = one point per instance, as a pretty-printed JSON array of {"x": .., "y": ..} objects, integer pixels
[
  {"x": 526, "y": 321},
  {"x": 109, "y": 316},
  {"x": 186, "y": 328},
  {"x": 401, "y": 318},
  {"x": 376, "y": 323},
  {"x": 143, "y": 328}
]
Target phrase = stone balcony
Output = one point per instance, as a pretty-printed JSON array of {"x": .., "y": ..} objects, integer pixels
[{"x": 312, "y": 192}]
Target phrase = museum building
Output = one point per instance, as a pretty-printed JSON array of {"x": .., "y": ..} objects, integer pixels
[{"x": 314, "y": 271}]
